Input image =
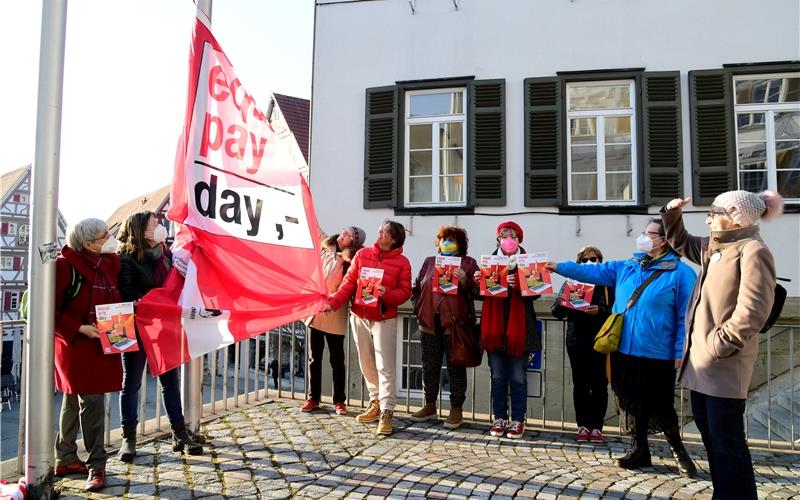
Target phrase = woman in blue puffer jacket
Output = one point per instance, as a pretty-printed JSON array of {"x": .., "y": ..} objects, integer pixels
[{"x": 651, "y": 345}]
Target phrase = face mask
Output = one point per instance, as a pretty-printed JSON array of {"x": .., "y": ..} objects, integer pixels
[
  {"x": 643, "y": 243},
  {"x": 160, "y": 234},
  {"x": 447, "y": 247},
  {"x": 509, "y": 246},
  {"x": 110, "y": 246}
]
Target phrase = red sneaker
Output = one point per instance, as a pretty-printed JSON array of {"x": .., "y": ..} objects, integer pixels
[
  {"x": 96, "y": 479},
  {"x": 515, "y": 430},
  {"x": 583, "y": 435},
  {"x": 309, "y": 405},
  {"x": 498, "y": 427},
  {"x": 76, "y": 467},
  {"x": 341, "y": 409},
  {"x": 596, "y": 436}
]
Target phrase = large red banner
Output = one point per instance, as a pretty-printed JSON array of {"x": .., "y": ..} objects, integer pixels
[{"x": 246, "y": 224}]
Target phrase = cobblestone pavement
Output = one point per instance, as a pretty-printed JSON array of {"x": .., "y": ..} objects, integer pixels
[{"x": 275, "y": 451}]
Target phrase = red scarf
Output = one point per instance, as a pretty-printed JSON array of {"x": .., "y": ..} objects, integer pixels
[
  {"x": 497, "y": 331},
  {"x": 99, "y": 270}
]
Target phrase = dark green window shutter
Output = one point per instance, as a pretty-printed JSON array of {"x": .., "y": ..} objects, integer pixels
[
  {"x": 544, "y": 166},
  {"x": 663, "y": 158},
  {"x": 380, "y": 148},
  {"x": 487, "y": 142},
  {"x": 713, "y": 153}
]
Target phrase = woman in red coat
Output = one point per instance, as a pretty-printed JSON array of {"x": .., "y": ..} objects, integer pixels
[{"x": 87, "y": 274}]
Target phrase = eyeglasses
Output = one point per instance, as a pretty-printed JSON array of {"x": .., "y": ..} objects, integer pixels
[
  {"x": 717, "y": 212},
  {"x": 382, "y": 229},
  {"x": 104, "y": 237},
  {"x": 652, "y": 233},
  {"x": 589, "y": 259}
]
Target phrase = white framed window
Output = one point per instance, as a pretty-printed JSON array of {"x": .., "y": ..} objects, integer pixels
[
  {"x": 7, "y": 263},
  {"x": 22, "y": 236},
  {"x": 410, "y": 361},
  {"x": 601, "y": 143},
  {"x": 12, "y": 228},
  {"x": 23, "y": 198},
  {"x": 435, "y": 145},
  {"x": 14, "y": 300},
  {"x": 767, "y": 109}
]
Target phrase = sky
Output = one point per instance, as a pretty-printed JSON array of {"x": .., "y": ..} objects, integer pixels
[{"x": 125, "y": 74}]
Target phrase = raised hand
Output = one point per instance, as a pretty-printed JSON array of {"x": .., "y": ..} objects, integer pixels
[{"x": 678, "y": 203}]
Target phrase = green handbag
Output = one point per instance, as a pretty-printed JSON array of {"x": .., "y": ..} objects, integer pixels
[{"x": 607, "y": 339}]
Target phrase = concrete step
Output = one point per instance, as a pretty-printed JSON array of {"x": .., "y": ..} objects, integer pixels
[{"x": 778, "y": 419}]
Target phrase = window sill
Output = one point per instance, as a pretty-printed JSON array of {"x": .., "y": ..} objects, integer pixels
[
  {"x": 434, "y": 211},
  {"x": 603, "y": 209}
]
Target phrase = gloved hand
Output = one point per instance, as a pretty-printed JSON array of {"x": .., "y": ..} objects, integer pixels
[{"x": 180, "y": 260}]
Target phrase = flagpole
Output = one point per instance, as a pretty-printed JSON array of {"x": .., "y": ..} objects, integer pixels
[
  {"x": 41, "y": 253},
  {"x": 191, "y": 372}
]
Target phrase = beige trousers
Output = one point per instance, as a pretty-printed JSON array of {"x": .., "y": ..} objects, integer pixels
[{"x": 376, "y": 342}]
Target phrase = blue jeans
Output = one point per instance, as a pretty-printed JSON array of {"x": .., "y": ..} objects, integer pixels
[
  {"x": 509, "y": 371},
  {"x": 721, "y": 425},
  {"x": 133, "y": 364}
]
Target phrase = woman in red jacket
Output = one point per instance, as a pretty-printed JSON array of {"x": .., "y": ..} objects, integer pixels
[
  {"x": 375, "y": 325},
  {"x": 87, "y": 274}
]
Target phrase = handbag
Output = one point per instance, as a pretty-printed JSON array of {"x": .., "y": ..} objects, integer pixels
[
  {"x": 607, "y": 339},
  {"x": 465, "y": 344}
]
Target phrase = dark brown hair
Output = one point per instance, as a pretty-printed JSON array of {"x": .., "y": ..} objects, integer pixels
[
  {"x": 660, "y": 223},
  {"x": 131, "y": 235},
  {"x": 458, "y": 234},
  {"x": 397, "y": 232},
  {"x": 589, "y": 249}
]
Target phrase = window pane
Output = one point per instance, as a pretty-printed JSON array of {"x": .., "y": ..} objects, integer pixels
[
  {"x": 754, "y": 181},
  {"x": 414, "y": 382},
  {"x": 451, "y": 135},
  {"x": 618, "y": 158},
  {"x": 442, "y": 103},
  {"x": 789, "y": 183},
  {"x": 584, "y": 158},
  {"x": 420, "y": 190},
  {"x": 420, "y": 162},
  {"x": 751, "y": 126},
  {"x": 451, "y": 161},
  {"x": 787, "y": 155},
  {"x": 618, "y": 129},
  {"x": 584, "y": 187},
  {"x": 451, "y": 188},
  {"x": 752, "y": 155},
  {"x": 619, "y": 187},
  {"x": 420, "y": 137},
  {"x": 787, "y": 125},
  {"x": 599, "y": 96},
  {"x": 763, "y": 90},
  {"x": 583, "y": 130}
]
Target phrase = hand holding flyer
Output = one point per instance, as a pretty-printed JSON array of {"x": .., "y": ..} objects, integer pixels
[
  {"x": 116, "y": 325},
  {"x": 444, "y": 280},
  {"x": 577, "y": 295},
  {"x": 494, "y": 275},
  {"x": 368, "y": 282},
  {"x": 533, "y": 275}
]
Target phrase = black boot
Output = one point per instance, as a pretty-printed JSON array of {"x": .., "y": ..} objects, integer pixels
[
  {"x": 127, "y": 451},
  {"x": 181, "y": 440},
  {"x": 638, "y": 456},
  {"x": 679, "y": 453}
]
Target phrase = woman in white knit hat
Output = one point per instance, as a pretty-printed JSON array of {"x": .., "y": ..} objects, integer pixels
[{"x": 731, "y": 302}]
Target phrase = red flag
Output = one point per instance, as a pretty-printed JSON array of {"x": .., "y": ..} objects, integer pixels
[{"x": 246, "y": 224}]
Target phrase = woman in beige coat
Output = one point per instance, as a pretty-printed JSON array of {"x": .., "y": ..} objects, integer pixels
[
  {"x": 337, "y": 252},
  {"x": 731, "y": 302}
]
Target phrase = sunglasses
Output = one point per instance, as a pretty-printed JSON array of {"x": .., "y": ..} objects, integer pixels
[{"x": 588, "y": 259}]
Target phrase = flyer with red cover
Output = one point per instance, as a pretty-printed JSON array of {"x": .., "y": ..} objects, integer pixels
[
  {"x": 444, "y": 280},
  {"x": 368, "y": 281},
  {"x": 577, "y": 295},
  {"x": 494, "y": 275},
  {"x": 534, "y": 278},
  {"x": 115, "y": 322}
]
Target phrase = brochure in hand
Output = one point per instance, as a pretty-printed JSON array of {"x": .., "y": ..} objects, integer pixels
[
  {"x": 533, "y": 276},
  {"x": 444, "y": 280},
  {"x": 117, "y": 331},
  {"x": 577, "y": 295},
  {"x": 494, "y": 275},
  {"x": 368, "y": 281}
]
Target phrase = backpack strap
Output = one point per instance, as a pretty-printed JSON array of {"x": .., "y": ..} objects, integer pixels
[{"x": 640, "y": 289}]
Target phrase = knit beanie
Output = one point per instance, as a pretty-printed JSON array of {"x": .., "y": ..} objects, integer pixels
[
  {"x": 357, "y": 234},
  {"x": 745, "y": 208}
]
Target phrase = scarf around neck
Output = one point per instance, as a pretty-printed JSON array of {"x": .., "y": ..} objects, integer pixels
[{"x": 101, "y": 270}]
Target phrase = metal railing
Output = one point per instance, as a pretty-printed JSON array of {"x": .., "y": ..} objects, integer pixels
[{"x": 239, "y": 375}]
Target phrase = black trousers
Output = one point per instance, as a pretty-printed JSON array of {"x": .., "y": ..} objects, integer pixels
[
  {"x": 721, "y": 425},
  {"x": 336, "y": 355},
  {"x": 589, "y": 386}
]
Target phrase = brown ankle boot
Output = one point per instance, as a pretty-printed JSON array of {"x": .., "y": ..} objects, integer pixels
[
  {"x": 428, "y": 412},
  {"x": 455, "y": 418},
  {"x": 371, "y": 414}
]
